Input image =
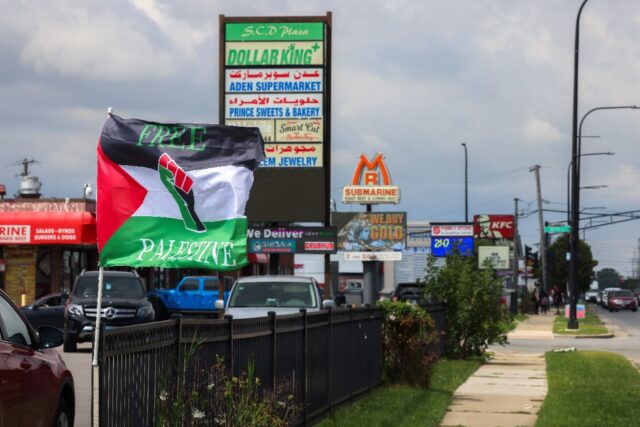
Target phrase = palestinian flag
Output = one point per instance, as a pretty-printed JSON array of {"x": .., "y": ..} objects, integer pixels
[{"x": 174, "y": 195}]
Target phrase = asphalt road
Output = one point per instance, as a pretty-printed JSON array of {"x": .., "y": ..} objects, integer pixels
[
  {"x": 626, "y": 325},
  {"x": 79, "y": 364}
]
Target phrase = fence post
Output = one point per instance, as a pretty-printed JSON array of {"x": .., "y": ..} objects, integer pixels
[
  {"x": 274, "y": 352},
  {"x": 329, "y": 369},
  {"x": 368, "y": 337},
  {"x": 181, "y": 369},
  {"x": 351, "y": 356},
  {"x": 96, "y": 374},
  {"x": 304, "y": 364},
  {"x": 229, "y": 317}
]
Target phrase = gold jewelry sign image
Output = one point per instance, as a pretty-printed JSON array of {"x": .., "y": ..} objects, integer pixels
[{"x": 369, "y": 231}]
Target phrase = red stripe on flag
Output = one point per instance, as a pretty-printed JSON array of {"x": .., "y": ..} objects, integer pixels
[{"x": 119, "y": 196}]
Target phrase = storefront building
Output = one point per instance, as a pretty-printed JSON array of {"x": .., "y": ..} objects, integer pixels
[{"x": 44, "y": 245}]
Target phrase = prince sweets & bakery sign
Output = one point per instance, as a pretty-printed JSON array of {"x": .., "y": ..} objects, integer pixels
[{"x": 371, "y": 183}]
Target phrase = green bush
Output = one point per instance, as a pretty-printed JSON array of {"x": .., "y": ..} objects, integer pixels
[
  {"x": 409, "y": 343},
  {"x": 475, "y": 317}
]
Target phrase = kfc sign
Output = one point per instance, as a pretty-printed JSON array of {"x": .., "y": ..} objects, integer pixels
[{"x": 493, "y": 226}]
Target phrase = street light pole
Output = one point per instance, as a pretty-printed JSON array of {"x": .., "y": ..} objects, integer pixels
[
  {"x": 575, "y": 212},
  {"x": 466, "y": 183},
  {"x": 573, "y": 270},
  {"x": 605, "y": 153}
]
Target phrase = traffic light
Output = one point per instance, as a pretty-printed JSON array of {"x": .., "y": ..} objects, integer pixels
[
  {"x": 527, "y": 256},
  {"x": 535, "y": 261}
]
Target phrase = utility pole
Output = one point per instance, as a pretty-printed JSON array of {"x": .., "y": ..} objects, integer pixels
[
  {"x": 543, "y": 249},
  {"x": 516, "y": 246}
]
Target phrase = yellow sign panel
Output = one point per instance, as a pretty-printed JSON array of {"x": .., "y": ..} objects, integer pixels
[
  {"x": 20, "y": 272},
  {"x": 266, "y": 127},
  {"x": 299, "y": 130}
]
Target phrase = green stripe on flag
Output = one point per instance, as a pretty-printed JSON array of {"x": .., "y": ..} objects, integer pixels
[{"x": 165, "y": 242}]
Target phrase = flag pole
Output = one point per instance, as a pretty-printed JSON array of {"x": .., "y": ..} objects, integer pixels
[{"x": 96, "y": 330}]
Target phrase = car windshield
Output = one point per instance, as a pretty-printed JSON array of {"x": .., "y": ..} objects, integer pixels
[
  {"x": 113, "y": 287},
  {"x": 273, "y": 294},
  {"x": 622, "y": 294}
]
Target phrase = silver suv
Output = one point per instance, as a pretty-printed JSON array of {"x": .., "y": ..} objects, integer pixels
[{"x": 255, "y": 296}]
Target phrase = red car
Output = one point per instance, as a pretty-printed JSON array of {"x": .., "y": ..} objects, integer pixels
[
  {"x": 36, "y": 388},
  {"x": 622, "y": 300}
]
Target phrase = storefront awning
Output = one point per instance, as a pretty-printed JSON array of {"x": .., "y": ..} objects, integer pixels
[
  {"x": 259, "y": 258},
  {"x": 47, "y": 228}
]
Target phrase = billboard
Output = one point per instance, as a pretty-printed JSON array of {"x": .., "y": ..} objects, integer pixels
[
  {"x": 451, "y": 229},
  {"x": 274, "y": 75},
  {"x": 418, "y": 235},
  {"x": 443, "y": 246},
  {"x": 371, "y": 183},
  {"x": 487, "y": 226},
  {"x": 498, "y": 257},
  {"x": 370, "y": 231},
  {"x": 292, "y": 240}
]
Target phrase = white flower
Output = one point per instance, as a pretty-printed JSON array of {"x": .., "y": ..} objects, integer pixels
[
  {"x": 392, "y": 317},
  {"x": 164, "y": 395},
  {"x": 197, "y": 414},
  {"x": 211, "y": 386}
]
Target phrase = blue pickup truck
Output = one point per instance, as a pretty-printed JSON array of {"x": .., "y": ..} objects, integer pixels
[{"x": 193, "y": 295}]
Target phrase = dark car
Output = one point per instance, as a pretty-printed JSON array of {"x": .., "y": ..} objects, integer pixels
[
  {"x": 46, "y": 311},
  {"x": 410, "y": 292},
  {"x": 36, "y": 388},
  {"x": 622, "y": 300},
  {"x": 124, "y": 302}
]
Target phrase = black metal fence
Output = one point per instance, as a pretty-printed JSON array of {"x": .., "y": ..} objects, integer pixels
[{"x": 328, "y": 357}]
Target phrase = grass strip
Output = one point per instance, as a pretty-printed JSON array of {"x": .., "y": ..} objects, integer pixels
[
  {"x": 590, "y": 388},
  {"x": 590, "y": 325},
  {"x": 400, "y": 405}
]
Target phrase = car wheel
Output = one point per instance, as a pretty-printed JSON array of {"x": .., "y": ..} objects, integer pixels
[
  {"x": 611, "y": 310},
  {"x": 634, "y": 309},
  {"x": 159, "y": 309},
  {"x": 63, "y": 415},
  {"x": 70, "y": 345}
]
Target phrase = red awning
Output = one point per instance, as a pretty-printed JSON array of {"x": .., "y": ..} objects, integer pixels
[
  {"x": 259, "y": 258},
  {"x": 47, "y": 228}
]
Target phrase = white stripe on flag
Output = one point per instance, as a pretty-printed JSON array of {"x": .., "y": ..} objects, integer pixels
[{"x": 220, "y": 193}]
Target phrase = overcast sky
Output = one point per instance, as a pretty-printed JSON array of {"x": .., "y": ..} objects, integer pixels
[{"x": 411, "y": 79}]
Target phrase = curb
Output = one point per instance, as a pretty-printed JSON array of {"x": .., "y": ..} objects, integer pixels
[{"x": 608, "y": 335}]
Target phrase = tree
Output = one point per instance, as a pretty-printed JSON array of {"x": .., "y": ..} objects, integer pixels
[
  {"x": 608, "y": 278},
  {"x": 475, "y": 317},
  {"x": 559, "y": 274}
]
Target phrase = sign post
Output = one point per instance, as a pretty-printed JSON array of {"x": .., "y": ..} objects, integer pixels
[{"x": 371, "y": 235}]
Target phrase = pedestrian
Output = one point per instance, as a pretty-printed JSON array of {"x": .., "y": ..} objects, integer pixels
[
  {"x": 557, "y": 298},
  {"x": 535, "y": 299},
  {"x": 544, "y": 301}
]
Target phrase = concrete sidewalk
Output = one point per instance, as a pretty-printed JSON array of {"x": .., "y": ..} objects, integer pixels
[
  {"x": 536, "y": 326},
  {"x": 506, "y": 391},
  {"x": 509, "y": 389}
]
